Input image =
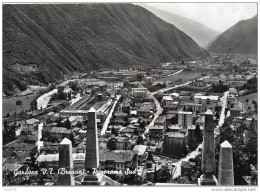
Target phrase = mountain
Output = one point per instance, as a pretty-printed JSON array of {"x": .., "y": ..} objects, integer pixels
[
  {"x": 199, "y": 32},
  {"x": 42, "y": 42},
  {"x": 240, "y": 38}
]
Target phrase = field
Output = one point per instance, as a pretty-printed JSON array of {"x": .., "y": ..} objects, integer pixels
[
  {"x": 250, "y": 97},
  {"x": 183, "y": 76},
  {"x": 9, "y": 104}
]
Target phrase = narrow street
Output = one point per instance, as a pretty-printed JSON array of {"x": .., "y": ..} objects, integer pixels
[
  {"x": 105, "y": 125},
  {"x": 159, "y": 109},
  {"x": 222, "y": 115},
  {"x": 39, "y": 143}
]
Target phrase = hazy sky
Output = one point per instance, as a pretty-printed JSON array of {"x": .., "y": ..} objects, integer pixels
[{"x": 218, "y": 16}]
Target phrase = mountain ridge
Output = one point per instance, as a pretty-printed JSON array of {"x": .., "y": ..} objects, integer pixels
[
  {"x": 241, "y": 38},
  {"x": 185, "y": 24},
  {"x": 59, "y": 39}
]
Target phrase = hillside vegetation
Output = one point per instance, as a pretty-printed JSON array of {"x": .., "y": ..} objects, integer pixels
[
  {"x": 240, "y": 38},
  {"x": 43, "y": 42}
]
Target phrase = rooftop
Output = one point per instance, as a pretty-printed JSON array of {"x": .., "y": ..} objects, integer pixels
[{"x": 225, "y": 144}]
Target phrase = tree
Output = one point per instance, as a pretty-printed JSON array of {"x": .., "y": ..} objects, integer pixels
[
  {"x": 79, "y": 124},
  {"x": 247, "y": 100},
  {"x": 136, "y": 132},
  {"x": 155, "y": 175},
  {"x": 140, "y": 140},
  {"x": 113, "y": 131},
  {"x": 111, "y": 144},
  {"x": 67, "y": 124},
  {"x": 139, "y": 77},
  {"x": 198, "y": 134},
  {"x": 164, "y": 174},
  {"x": 19, "y": 102},
  {"x": 150, "y": 157}
]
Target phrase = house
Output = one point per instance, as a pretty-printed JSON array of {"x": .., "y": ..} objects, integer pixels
[
  {"x": 102, "y": 141},
  {"x": 31, "y": 139},
  {"x": 160, "y": 121},
  {"x": 167, "y": 100},
  {"x": 143, "y": 112},
  {"x": 127, "y": 131},
  {"x": 142, "y": 152},
  {"x": 206, "y": 100},
  {"x": 139, "y": 92},
  {"x": 126, "y": 106},
  {"x": 58, "y": 132},
  {"x": 20, "y": 147},
  {"x": 49, "y": 148},
  {"x": 120, "y": 143},
  {"x": 30, "y": 125},
  {"x": 156, "y": 130},
  {"x": 119, "y": 161}
]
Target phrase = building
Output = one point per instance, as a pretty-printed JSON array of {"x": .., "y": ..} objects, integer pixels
[
  {"x": 144, "y": 112},
  {"x": 206, "y": 100},
  {"x": 118, "y": 161},
  {"x": 58, "y": 132},
  {"x": 120, "y": 143},
  {"x": 139, "y": 92},
  {"x": 30, "y": 125},
  {"x": 142, "y": 152},
  {"x": 71, "y": 112},
  {"x": 31, "y": 139},
  {"x": 185, "y": 119},
  {"x": 156, "y": 130},
  {"x": 49, "y": 148},
  {"x": 20, "y": 147},
  {"x": 167, "y": 101}
]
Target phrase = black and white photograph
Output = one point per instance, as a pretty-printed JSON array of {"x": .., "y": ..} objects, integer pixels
[{"x": 130, "y": 94}]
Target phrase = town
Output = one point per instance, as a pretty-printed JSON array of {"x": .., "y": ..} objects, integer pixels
[{"x": 180, "y": 122}]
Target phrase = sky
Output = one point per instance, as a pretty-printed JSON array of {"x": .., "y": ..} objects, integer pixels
[{"x": 218, "y": 16}]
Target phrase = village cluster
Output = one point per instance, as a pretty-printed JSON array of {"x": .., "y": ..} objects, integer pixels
[{"x": 143, "y": 124}]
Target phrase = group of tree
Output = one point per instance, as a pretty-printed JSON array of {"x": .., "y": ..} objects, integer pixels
[
  {"x": 195, "y": 138},
  {"x": 8, "y": 133},
  {"x": 219, "y": 88},
  {"x": 250, "y": 85},
  {"x": 244, "y": 144},
  {"x": 174, "y": 149}
]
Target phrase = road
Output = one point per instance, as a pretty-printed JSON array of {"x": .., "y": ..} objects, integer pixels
[
  {"x": 42, "y": 101},
  {"x": 224, "y": 105},
  {"x": 175, "y": 73},
  {"x": 39, "y": 143},
  {"x": 159, "y": 109},
  {"x": 105, "y": 125},
  {"x": 177, "y": 172},
  {"x": 176, "y": 86}
]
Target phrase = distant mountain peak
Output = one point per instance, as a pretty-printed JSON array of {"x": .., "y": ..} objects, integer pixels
[
  {"x": 241, "y": 38},
  {"x": 200, "y": 33}
]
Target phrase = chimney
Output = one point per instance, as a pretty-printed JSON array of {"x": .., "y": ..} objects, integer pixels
[
  {"x": 65, "y": 163},
  {"x": 226, "y": 172},
  {"x": 208, "y": 155},
  {"x": 92, "y": 150}
]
